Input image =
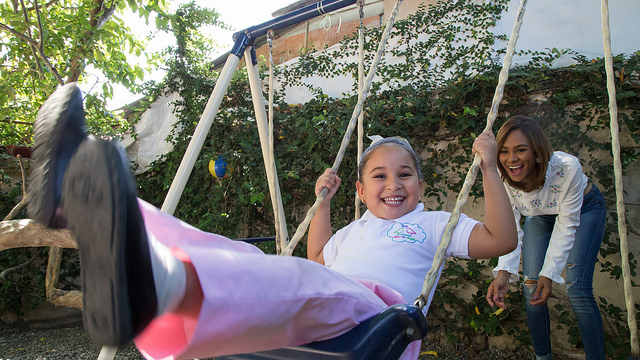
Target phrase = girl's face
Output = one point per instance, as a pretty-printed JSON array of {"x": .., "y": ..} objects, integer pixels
[
  {"x": 517, "y": 157},
  {"x": 390, "y": 185}
]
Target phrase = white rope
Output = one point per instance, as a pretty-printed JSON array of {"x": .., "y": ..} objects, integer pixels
[
  {"x": 281, "y": 240},
  {"x": 302, "y": 228},
  {"x": 430, "y": 279},
  {"x": 617, "y": 169},
  {"x": 360, "y": 84}
]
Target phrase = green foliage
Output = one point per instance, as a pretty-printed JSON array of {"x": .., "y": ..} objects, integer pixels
[
  {"x": 23, "y": 288},
  {"x": 437, "y": 96},
  {"x": 44, "y": 45},
  {"x": 55, "y": 43}
]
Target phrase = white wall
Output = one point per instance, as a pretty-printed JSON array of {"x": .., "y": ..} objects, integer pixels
[
  {"x": 575, "y": 25},
  {"x": 566, "y": 24}
]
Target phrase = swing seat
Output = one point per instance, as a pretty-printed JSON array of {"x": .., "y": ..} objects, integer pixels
[{"x": 384, "y": 336}]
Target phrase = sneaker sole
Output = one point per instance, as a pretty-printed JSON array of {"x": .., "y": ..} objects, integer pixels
[
  {"x": 59, "y": 129},
  {"x": 99, "y": 203}
]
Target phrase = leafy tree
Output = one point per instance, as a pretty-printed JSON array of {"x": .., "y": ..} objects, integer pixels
[{"x": 44, "y": 45}]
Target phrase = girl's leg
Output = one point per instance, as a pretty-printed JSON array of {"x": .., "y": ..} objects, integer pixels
[
  {"x": 231, "y": 298},
  {"x": 254, "y": 302},
  {"x": 580, "y": 267},
  {"x": 240, "y": 300},
  {"x": 537, "y": 232}
]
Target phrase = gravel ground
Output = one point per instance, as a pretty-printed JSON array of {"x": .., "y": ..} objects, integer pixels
[
  {"x": 50, "y": 333},
  {"x": 71, "y": 342}
]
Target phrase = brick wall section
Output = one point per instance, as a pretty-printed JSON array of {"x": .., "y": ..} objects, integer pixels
[{"x": 288, "y": 47}]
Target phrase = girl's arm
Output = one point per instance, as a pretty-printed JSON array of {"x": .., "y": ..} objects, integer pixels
[
  {"x": 320, "y": 227},
  {"x": 497, "y": 235}
]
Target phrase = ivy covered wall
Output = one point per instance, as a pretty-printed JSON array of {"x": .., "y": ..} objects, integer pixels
[{"x": 439, "y": 106}]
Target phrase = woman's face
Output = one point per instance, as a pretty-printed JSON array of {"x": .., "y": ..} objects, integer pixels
[
  {"x": 390, "y": 184},
  {"x": 517, "y": 157}
]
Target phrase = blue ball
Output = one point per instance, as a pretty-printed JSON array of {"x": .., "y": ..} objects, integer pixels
[{"x": 219, "y": 167}]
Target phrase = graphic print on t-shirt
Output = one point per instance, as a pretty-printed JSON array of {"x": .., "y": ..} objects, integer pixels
[{"x": 407, "y": 232}]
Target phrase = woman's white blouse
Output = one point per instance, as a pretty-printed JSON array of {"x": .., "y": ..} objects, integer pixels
[{"x": 561, "y": 195}]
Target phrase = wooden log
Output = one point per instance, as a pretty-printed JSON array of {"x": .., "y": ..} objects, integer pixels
[{"x": 29, "y": 233}]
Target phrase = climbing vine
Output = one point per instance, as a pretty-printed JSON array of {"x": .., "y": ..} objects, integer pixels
[{"x": 433, "y": 88}]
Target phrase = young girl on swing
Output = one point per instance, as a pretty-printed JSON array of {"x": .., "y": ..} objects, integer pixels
[{"x": 184, "y": 293}]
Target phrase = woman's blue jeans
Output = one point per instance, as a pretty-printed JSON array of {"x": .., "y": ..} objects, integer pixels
[{"x": 579, "y": 275}]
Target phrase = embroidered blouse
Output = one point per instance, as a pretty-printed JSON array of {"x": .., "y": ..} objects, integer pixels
[{"x": 561, "y": 195}]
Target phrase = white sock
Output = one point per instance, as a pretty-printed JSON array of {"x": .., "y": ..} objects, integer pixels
[{"x": 169, "y": 276}]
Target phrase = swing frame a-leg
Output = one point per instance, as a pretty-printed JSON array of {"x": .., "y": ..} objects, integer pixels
[{"x": 244, "y": 44}]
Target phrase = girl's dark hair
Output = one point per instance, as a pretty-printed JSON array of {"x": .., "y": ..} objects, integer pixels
[
  {"x": 403, "y": 143},
  {"x": 540, "y": 145}
]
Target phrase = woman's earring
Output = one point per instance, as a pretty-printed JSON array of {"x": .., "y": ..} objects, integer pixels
[{"x": 538, "y": 160}]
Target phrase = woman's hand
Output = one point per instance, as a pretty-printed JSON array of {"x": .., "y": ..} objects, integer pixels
[
  {"x": 543, "y": 291},
  {"x": 498, "y": 290}
]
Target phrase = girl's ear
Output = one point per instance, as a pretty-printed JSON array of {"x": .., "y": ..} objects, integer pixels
[{"x": 360, "y": 190}]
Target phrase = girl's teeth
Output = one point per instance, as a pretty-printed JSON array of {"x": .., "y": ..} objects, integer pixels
[{"x": 392, "y": 200}]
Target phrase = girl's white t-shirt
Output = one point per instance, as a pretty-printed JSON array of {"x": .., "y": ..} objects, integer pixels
[{"x": 397, "y": 253}]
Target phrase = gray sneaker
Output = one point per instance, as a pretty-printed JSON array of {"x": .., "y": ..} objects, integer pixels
[
  {"x": 58, "y": 131},
  {"x": 100, "y": 204}
]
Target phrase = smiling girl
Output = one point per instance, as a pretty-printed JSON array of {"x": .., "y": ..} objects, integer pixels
[
  {"x": 395, "y": 241},
  {"x": 564, "y": 224}
]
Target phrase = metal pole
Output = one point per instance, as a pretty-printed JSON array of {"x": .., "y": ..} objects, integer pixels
[
  {"x": 269, "y": 162},
  {"x": 199, "y": 135},
  {"x": 295, "y": 17}
]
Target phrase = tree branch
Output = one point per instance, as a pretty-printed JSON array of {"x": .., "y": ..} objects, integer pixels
[
  {"x": 35, "y": 44},
  {"x": 106, "y": 15},
  {"x": 29, "y": 233},
  {"x": 26, "y": 21},
  {"x": 96, "y": 21},
  {"x": 16, "y": 122},
  {"x": 5, "y": 272},
  {"x": 25, "y": 198}
]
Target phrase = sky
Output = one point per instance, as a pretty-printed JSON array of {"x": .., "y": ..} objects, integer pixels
[{"x": 232, "y": 12}]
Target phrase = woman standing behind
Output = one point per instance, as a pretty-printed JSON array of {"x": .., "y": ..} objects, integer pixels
[{"x": 564, "y": 223}]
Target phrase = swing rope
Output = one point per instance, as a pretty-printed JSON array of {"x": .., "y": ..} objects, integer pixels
[
  {"x": 358, "y": 202},
  {"x": 281, "y": 237},
  {"x": 617, "y": 169},
  {"x": 430, "y": 279},
  {"x": 362, "y": 96}
]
